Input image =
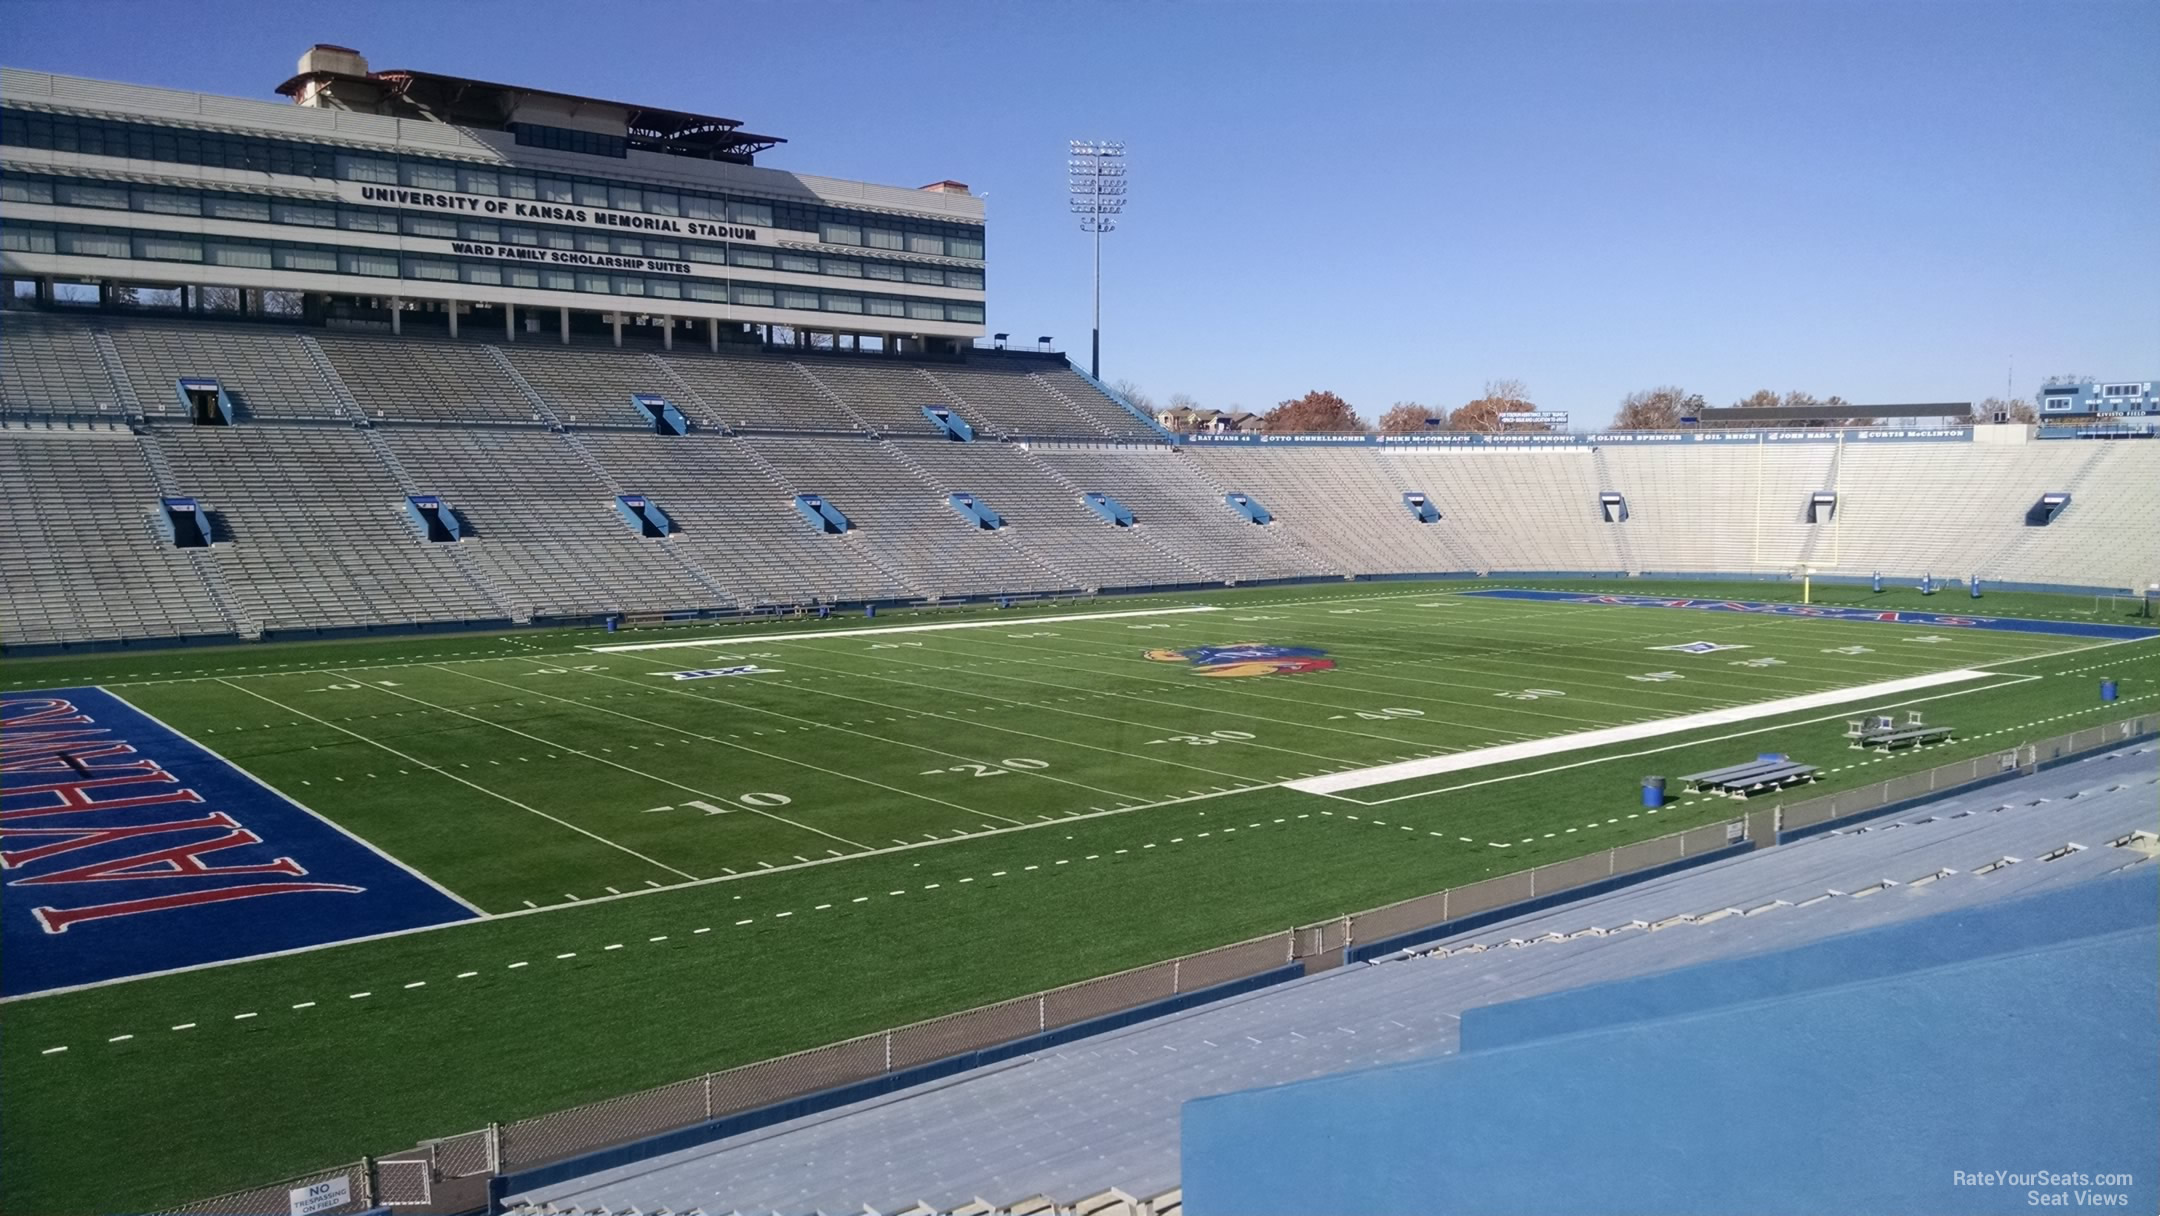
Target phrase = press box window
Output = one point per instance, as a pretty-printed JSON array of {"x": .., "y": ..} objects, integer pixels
[
  {"x": 883, "y": 307},
  {"x": 750, "y": 213},
  {"x": 840, "y": 234},
  {"x": 378, "y": 265},
  {"x": 81, "y": 194},
  {"x": 321, "y": 261},
  {"x": 94, "y": 245},
  {"x": 301, "y": 213},
  {"x": 253, "y": 257},
  {"x": 26, "y": 240},
  {"x": 226, "y": 207},
  {"x": 167, "y": 202},
  {"x": 367, "y": 169},
  {"x": 16, "y": 190},
  {"x": 934, "y": 245},
  {"x": 162, "y": 248},
  {"x": 879, "y": 239},
  {"x": 430, "y": 225},
  {"x": 425, "y": 176}
]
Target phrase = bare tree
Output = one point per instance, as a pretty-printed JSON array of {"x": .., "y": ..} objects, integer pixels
[
  {"x": 1410, "y": 418},
  {"x": 1656, "y": 409},
  {"x": 2019, "y": 409},
  {"x": 1501, "y": 397},
  {"x": 1134, "y": 394}
]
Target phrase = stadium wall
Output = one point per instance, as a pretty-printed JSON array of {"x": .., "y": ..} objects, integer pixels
[{"x": 1738, "y": 1086}]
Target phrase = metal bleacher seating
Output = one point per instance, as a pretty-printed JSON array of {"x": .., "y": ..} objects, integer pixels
[
  {"x": 317, "y": 529},
  {"x": 1043, "y": 511},
  {"x": 265, "y": 370},
  {"x": 543, "y": 526},
  {"x": 1345, "y": 504},
  {"x": 591, "y": 387},
  {"x": 1183, "y": 513},
  {"x": 760, "y": 392},
  {"x": 52, "y": 366},
  {"x": 81, "y": 560},
  {"x": 738, "y": 522},
  {"x": 890, "y": 400},
  {"x": 1012, "y": 402},
  {"x": 903, "y": 517},
  {"x": 530, "y": 442},
  {"x": 422, "y": 380}
]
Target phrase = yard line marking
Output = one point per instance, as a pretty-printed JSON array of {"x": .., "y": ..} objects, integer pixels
[
  {"x": 333, "y": 825},
  {"x": 1408, "y": 770},
  {"x": 817, "y": 635},
  {"x": 461, "y": 781},
  {"x": 738, "y": 747}
]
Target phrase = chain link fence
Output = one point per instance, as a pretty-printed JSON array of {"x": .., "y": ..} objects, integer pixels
[
  {"x": 567, "y": 1133},
  {"x": 332, "y": 1192},
  {"x": 2020, "y": 757}
]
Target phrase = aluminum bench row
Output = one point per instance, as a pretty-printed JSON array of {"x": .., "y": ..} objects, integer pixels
[{"x": 1770, "y": 772}]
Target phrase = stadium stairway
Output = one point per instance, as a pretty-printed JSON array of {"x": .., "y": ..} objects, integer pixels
[
  {"x": 2029, "y": 538},
  {"x": 1196, "y": 571},
  {"x": 1047, "y": 576},
  {"x": 518, "y": 613},
  {"x": 213, "y": 580},
  {"x": 700, "y": 411},
  {"x": 1316, "y": 555},
  {"x": 686, "y": 564}
]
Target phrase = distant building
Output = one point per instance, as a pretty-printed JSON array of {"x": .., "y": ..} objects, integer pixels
[
  {"x": 1208, "y": 422},
  {"x": 2066, "y": 398}
]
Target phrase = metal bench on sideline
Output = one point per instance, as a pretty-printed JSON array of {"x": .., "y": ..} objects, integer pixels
[
  {"x": 1882, "y": 730},
  {"x": 1772, "y": 771}
]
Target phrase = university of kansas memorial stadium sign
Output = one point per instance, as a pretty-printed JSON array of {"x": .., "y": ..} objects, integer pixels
[{"x": 489, "y": 206}]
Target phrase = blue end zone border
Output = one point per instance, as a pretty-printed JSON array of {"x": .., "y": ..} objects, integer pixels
[
  {"x": 128, "y": 848},
  {"x": 1945, "y": 620}
]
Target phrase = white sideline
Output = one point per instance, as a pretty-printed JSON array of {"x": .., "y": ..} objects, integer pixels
[
  {"x": 812, "y": 635},
  {"x": 1406, "y": 770}
]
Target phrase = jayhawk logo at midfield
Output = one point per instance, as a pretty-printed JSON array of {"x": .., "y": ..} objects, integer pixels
[{"x": 1247, "y": 659}]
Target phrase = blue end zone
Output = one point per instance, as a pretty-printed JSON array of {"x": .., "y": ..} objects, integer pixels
[
  {"x": 129, "y": 849},
  {"x": 2070, "y": 629}
]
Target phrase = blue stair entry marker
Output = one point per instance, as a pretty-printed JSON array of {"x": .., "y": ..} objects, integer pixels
[
  {"x": 822, "y": 515},
  {"x": 643, "y": 515},
  {"x": 665, "y": 418},
  {"x": 1421, "y": 506},
  {"x": 1821, "y": 506},
  {"x": 1109, "y": 508},
  {"x": 2044, "y": 512},
  {"x": 205, "y": 400},
  {"x": 1245, "y": 506},
  {"x": 976, "y": 511},
  {"x": 951, "y": 425},
  {"x": 181, "y": 520},
  {"x": 438, "y": 524},
  {"x": 1613, "y": 505}
]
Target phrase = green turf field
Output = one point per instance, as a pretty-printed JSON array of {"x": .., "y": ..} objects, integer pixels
[{"x": 688, "y": 875}]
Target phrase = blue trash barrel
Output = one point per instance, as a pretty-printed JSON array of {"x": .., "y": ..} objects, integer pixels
[
  {"x": 2107, "y": 690},
  {"x": 1653, "y": 791}
]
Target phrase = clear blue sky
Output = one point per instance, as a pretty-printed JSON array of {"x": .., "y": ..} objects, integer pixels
[{"x": 1884, "y": 201}]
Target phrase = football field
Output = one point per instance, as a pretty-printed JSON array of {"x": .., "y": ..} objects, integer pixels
[{"x": 382, "y": 889}]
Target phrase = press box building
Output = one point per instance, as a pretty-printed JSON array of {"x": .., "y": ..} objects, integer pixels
[{"x": 394, "y": 197}]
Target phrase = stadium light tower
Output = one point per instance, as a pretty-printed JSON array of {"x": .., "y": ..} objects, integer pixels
[{"x": 1097, "y": 172}]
